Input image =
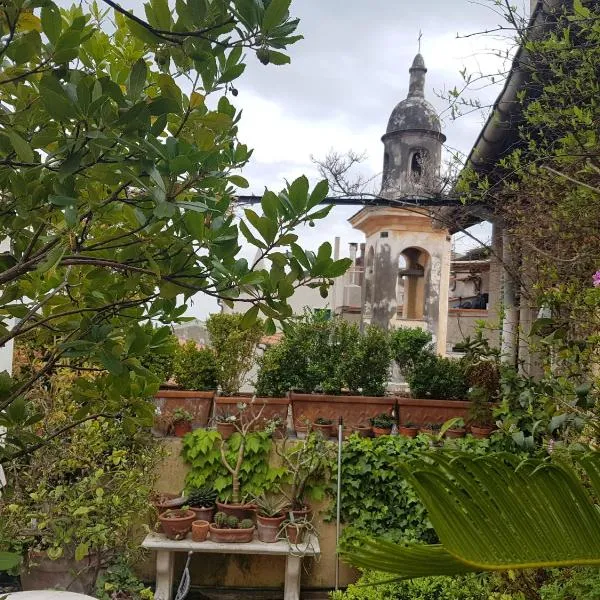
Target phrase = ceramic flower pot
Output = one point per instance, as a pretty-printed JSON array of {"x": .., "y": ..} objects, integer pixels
[
  {"x": 481, "y": 431},
  {"x": 268, "y": 528},
  {"x": 204, "y": 514},
  {"x": 364, "y": 430},
  {"x": 180, "y": 428},
  {"x": 200, "y": 530},
  {"x": 226, "y": 430},
  {"x": 241, "y": 511},
  {"x": 380, "y": 431},
  {"x": 164, "y": 501},
  {"x": 295, "y": 533},
  {"x": 176, "y": 524},
  {"x": 409, "y": 432},
  {"x": 325, "y": 429},
  {"x": 231, "y": 536},
  {"x": 457, "y": 432}
]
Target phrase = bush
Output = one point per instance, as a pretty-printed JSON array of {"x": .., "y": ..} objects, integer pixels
[
  {"x": 234, "y": 347},
  {"x": 369, "y": 369},
  {"x": 572, "y": 584},
  {"x": 278, "y": 370},
  {"x": 468, "y": 587},
  {"x": 437, "y": 377},
  {"x": 195, "y": 368},
  {"x": 163, "y": 347},
  {"x": 407, "y": 344}
]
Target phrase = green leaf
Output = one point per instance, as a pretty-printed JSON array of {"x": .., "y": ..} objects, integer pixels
[
  {"x": 298, "y": 193},
  {"x": 51, "y": 22},
  {"x": 249, "y": 317},
  {"x": 9, "y": 560},
  {"x": 137, "y": 78},
  {"x": 22, "y": 147},
  {"x": 318, "y": 194},
  {"x": 278, "y": 58},
  {"x": 81, "y": 551},
  {"x": 275, "y": 14},
  {"x": 52, "y": 259},
  {"x": 143, "y": 34}
]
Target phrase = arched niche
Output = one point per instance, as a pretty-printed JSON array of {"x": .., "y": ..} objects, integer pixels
[
  {"x": 412, "y": 265},
  {"x": 369, "y": 276}
]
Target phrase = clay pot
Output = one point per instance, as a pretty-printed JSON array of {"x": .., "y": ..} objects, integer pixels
[
  {"x": 380, "y": 431},
  {"x": 426, "y": 430},
  {"x": 180, "y": 428},
  {"x": 481, "y": 431},
  {"x": 409, "y": 432},
  {"x": 176, "y": 524},
  {"x": 301, "y": 513},
  {"x": 165, "y": 501},
  {"x": 241, "y": 511},
  {"x": 231, "y": 536},
  {"x": 200, "y": 530},
  {"x": 204, "y": 514},
  {"x": 226, "y": 430},
  {"x": 324, "y": 429},
  {"x": 65, "y": 573},
  {"x": 364, "y": 430},
  {"x": 268, "y": 528},
  {"x": 295, "y": 533},
  {"x": 457, "y": 432}
]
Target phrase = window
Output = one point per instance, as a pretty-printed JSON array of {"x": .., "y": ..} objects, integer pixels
[{"x": 417, "y": 163}]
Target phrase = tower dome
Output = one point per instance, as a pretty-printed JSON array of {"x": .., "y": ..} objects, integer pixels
[{"x": 415, "y": 112}]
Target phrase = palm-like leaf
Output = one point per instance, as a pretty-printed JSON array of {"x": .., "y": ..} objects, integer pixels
[{"x": 495, "y": 513}]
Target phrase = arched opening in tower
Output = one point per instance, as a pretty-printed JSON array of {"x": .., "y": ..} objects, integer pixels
[{"x": 415, "y": 261}]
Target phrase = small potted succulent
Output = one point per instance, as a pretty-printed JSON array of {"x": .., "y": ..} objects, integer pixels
[
  {"x": 202, "y": 502},
  {"x": 229, "y": 529},
  {"x": 200, "y": 530},
  {"x": 409, "y": 429},
  {"x": 270, "y": 514},
  {"x": 225, "y": 423},
  {"x": 323, "y": 425},
  {"x": 176, "y": 523},
  {"x": 382, "y": 424},
  {"x": 182, "y": 422}
]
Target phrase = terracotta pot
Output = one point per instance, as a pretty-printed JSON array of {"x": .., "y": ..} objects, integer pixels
[
  {"x": 231, "y": 536},
  {"x": 364, "y": 430},
  {"x": 180, "y": 428},
  {"x": 380, "y": 431},
  {"x": 268, "y": 528},
  {"x": 226, "y": 430},
  {"x": 65, "y": 573},
  {"x": 324, "y": 429},
  {"x": 457, "y": 432},
  {"x": 423, "y": 411},
  {"x": 199, "y": 404},
  {"x": 241, "y": 511},
  {"x": 301, "y": 513},
  {"x": 269, "y": 409},
  {"x": 204, "y": 514},
  {"x": 409, "y": 432},
  {"x": 481, "y": 431},
  {"x": 165, "y": 501},
  {"x": 177, "y": 524},
  {"x": 353, "y": 409},
  {"x": 200, "y": 530},
  {"x": 295, "y": 533}
]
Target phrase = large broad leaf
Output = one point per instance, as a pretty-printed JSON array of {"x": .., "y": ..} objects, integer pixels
[
  {"x": 9, "y": 560},
  {"x": 495, "y": 513}
]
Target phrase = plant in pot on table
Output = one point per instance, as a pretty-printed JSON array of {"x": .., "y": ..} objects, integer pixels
[
  {"x": 270, "y": 514},
  {"x": 382, "y": 424},
  {"x": 202, "y": 502},
  {"x": 229, "y": 529},
  {"x": 177, "y": 522}
]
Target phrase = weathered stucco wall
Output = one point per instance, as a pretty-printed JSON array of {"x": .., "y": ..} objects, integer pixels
[{"x": 246, "y": 571}]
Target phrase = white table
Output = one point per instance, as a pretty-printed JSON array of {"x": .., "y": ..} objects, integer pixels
[
  {"x": 47, "y": 595},
  {"x": 166, "y": 548}
]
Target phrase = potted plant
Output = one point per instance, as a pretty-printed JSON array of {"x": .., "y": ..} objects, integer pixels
[
  {"x": 382, "y": 424},
  {"x": 177, "y": 523},
  {"x": 225, "y": 424},
  {"x": 165, "y": 500},
  {"x": 270, "y": 514},
  {"x": 409, "y": 429},
  {"x": 363, "y": 430},
  {"x": 323, "y": 425},
  {"x": 200, "y": 530},
  {"x": 182, "y": 422},
  {"x": 229, "y": 529},
  {"x": 430, "y": 428},
  {"x": 195, "y": 376},
  {"x": 484, "y": 377},
  {"x": 202, "y": 502},
  {"x": 295, "y": 530},
  {"x": 455, "y": 429}
]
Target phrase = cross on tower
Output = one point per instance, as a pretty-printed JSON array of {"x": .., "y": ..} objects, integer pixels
[{"x": 419, "y": 40}]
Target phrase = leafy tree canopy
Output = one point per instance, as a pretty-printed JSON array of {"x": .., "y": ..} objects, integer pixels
[{"x": 119, "y": 160}]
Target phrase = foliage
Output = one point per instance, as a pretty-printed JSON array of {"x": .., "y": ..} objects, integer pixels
[
  {"x": 195, "y": 368},
  {"x": 383, "y": 421},
  {"x": 246, "y": 524},
  {"x": 119, "y": 582},
  {"x": 181, "y": 415},
  {"x": 202, "y": 497},
  {"x": 407, "y": 344},
  {"x": 319, "y": 354},
  {"x": 376, "y": 498},
  {"x": 234, "y": 343},
  {"x": 119, "y": 160},
  {"x": 370, "y": 587},
  {"x": 201, "y": 451},
  {"x": 270, "y": 505},
  {"x": 159, "y": 358},
  {"x": 484, "y": 511},
  {"x": 221, "y": 520},
  {"x": 572, "y": 584},
  {"x": 86, "y": 493},
  {"x": 438, "y": 377}
]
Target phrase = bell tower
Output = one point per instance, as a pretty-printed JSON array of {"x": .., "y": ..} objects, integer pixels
[{"x": 407, "y": 257}]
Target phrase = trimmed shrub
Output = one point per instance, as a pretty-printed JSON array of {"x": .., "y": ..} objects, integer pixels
[
  {"x": 195, "y": 368},
  {"x": 438, "y": 378},
  {"x": 407, "y": 345}
]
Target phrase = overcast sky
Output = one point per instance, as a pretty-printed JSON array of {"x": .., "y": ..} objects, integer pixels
[{"x": 345, "y": 78}]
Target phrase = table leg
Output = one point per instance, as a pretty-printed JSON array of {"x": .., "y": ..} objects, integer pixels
[
  {"x": 291, "y": 590},
  {"x": 164, "y": 574}
]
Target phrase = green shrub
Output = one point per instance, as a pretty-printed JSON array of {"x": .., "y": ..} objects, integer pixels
[
  {"x": 368, "y": 370},
  {"x": 468, "y": 587},
  {"x": 277, "y": 370},
  {"x": 572, "y": 584},
  {"x": 234, "y": 347},
  {"x": 160, "y": 357},
  {"x": 407, "y": 344},
  {"x": 195, "y": 368},
  {"x": 438, "y": 377}
]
